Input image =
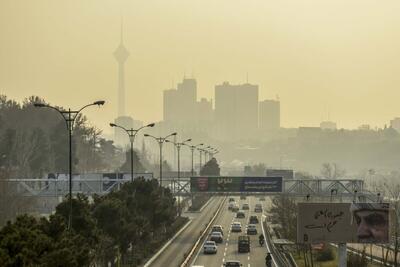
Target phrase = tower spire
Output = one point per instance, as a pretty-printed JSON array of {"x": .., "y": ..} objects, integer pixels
[
  {"x": 121, "y": 54},
  {"x": 121, "y": 41}
]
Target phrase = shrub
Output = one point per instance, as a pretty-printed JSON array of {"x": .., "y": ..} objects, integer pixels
[{"x": 325, "y": 255}]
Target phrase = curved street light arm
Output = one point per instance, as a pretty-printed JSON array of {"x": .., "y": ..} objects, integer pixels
[
  {"x": 121, "y": 127},
  {"x": 166, "y": 137},
  {"x": 39, "y": 105},
  {"x": 98, "y": 103},
  {"x": 149, "y": 135}
]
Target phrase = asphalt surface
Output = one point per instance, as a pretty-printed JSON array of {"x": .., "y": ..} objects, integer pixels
[
  {"x": 173, "y": 255},
  {"x": 228, "y": 249}
]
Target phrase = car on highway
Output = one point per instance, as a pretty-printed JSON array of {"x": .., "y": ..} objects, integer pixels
[
  {"x": 210, "y": 247},
  {"x": 243, "y": 243},
  {"x": 218, "y": 228},
  {"x": 231, "y": 199},
  {"x": 235, "y": 208},
  {"x": 253, "y": 219},
  {"x": 258, "y": 208},
  {"x": 251, "y": 229},
  {"x": 217, "y": 237},
  {"x": 245, "y": 206},
  {"x": 231, "y": 263},
  {"x": 240, "y": 214},
  {"x": 236, "y": 227}
]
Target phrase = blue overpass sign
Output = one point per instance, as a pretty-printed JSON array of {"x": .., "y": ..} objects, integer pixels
[{"x": 237, "y": 184}]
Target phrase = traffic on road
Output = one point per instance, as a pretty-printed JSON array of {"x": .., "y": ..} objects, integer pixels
[{"x": 234, "y": 240}]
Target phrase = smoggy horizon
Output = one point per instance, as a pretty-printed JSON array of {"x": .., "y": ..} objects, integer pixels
[{"x": 338, "y": 57}]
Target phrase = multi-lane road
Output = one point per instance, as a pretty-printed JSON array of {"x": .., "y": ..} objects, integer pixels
[
  {"x": 173, "y": 255},
  {"x": 228, "y": 249}
]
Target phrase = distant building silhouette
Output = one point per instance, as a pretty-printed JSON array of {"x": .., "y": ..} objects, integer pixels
[
  {"x": 328, "y": 125},
  {"x": 309, "y": 134},
  {"x": 270, "y": 115},
  {"x": 204, "y": 111},
  {"x": 121, "y": 54},
  {"x": 181, "y": 108},
  {"x": 236, "y": 109},
  {"x": 180, "y": 103},
  {"x": 395, "y": 124},
  {"x": 120, "y": 136}
]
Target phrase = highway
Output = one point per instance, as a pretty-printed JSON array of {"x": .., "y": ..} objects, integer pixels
[
  {"x": 228, "y": 249},
  {"x": 173, "y": 255}
]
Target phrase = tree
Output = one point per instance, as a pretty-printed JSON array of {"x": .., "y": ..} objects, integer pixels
[
  {"x": 211, "y": 168},
  {"x": 332, "y": 171},
  {"x": 284, "y": 211},
  {"x": 23, "y": 243},
  {"x": 255, "y": 170},
  {"x": 137, "y": 165}
]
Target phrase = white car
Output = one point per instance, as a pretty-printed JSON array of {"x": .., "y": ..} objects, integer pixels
[
  {"x": 231, "y": 205},
  {"x": 210, "y": 247},
  {"x": 218, "y": 228},
  {"x": 217, "y": 237},
  {"x": 236, "y": 227}
]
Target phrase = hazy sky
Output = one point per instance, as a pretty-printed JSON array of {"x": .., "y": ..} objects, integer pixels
[{"x": 336, "y": 55}]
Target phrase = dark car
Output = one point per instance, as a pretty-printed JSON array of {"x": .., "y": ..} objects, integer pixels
[
  {"x": 240, "y": 214},
  {"x": 231, "y": 199},
  {"x": 244, "y": 243},
  {"x": 253, "y": 219},
  {"x": 230, "y": 263},
  {"x": 258, "y": 208},
  {"x": 245, "y": 206},
  {"x": 251, "y": 229},
  {"x": 242, "y": 197}
]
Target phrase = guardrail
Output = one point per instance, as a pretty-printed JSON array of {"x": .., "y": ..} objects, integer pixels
[
  {"x": 200, "y": 240},
  {"x": 278, "y": 258}
]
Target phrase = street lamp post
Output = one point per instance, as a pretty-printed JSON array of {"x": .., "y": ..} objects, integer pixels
[
  {"x": 192, "y": 148},
  {"x": 69, "y": 116},
  {"x": 178, "y": 149},
  {"x": 207, "y": 154},
  {"x": 213, "y": 152},
  {"x": 132, "y": 134},
  {"x": 160, "y": 141},
  {"x": 200, "y": 151}
]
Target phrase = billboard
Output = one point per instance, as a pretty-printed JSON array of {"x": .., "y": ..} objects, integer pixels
[
  {"x": 286, "y": 174},
  {"x": 343, "y": 223},
  {"x": 236, "y": 184}
]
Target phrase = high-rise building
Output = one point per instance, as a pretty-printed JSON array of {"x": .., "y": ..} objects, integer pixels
[
  {"x": 170, "y": 105},
  {"x": 180, "y": 103},
  {"x": 328, "y": 125},
  {"x": 204, "y": 111},
  {"x": 270, "y": 115},
  {"x": 236, "y": 109},
  {"x": 395, "y": 124}
]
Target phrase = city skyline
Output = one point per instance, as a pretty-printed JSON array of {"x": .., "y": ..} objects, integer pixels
[{"x": 274, "y": 50}]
